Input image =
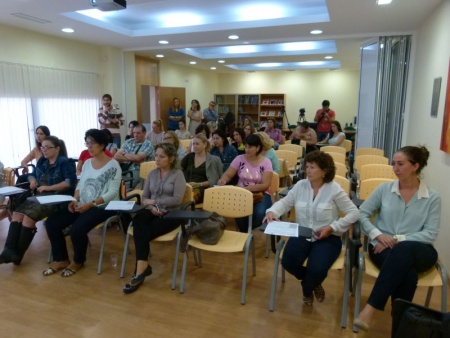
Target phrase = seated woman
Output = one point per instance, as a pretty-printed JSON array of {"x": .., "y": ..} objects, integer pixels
[
  {"x": 99, "y": 184},
  {"x": 336, "y": 137},
  {"x": 164, "y": 189},
  {"x": 239, "y": 137},
  {"x": 222, "y": 149},
  {"x": 317, "y": 201},
  {"x": 403, "y": 232},
  {"x": 247, "y": 120},
  {"x": 86, "y": 155},
  {"x": 255, "y": 174},
  {"x": 171, "y": 137},
  {"x": 201, "y": 129},
  {"x": 249, "y": 129},
  {"x": 268, "y": 151},
  {"x": 54, "y": 173},
  {"x": 35, "y": 154},
  {"x": 156, "y": 135},
  {"x": 182, "y": 132},
  {"x": 201, "y": 169}
]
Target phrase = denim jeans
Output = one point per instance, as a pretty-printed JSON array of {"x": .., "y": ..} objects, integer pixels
[
  {"x": 320, "y": 254},
  {"x": 259, "y": 211},
  {"x": 399, "y": 268}
]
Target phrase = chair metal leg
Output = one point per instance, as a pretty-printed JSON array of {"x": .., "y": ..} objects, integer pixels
[
  {"x": 102, "y": 247},
  {"x": 358, "y": 288},
  {"x": 275, "y": 276},
  {"x": 267, "y": 246},
  {"x": 125, "y": 254},
  {"x": 443, "y": 271},
  {"x": 348, "y": 272},
  {"x": 253, "y": 256},
  {"x": 244, "y": 277},
  {"x": 183, "y": 272},
  {"x": 175, "y": 263},
  {"x": 429, "y": 294},
  {"x": 199, "y": 258}
]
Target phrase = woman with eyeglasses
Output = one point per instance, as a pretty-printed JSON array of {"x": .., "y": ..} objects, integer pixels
[
  {"x": 171, "y": 137},
  {"x": 99, "y": 184},
  {"x": 54, "y": 173},
  {"x": 164, "y": 190},
  {"x": 86, "y": 155}
]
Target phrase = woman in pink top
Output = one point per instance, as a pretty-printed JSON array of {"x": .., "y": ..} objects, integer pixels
[{"x": 255, "y": 174}]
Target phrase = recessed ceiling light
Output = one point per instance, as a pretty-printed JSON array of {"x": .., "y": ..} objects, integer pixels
[
  {"x": 316, "y": 31},
  {"x": 245, "y": 43},
  {"x": 221, "y": 61},
  {"x": 67, "y": 30},
  {"x": 163, "y": 42},
  {"x": 328, "y": 57},
  {"x": 233, "y": 37},
  {"x": 193, "y": 63},
  {"x": 383, "y": 2},
  {"x": 159, "y": 55},
  {"x": 213, "y": 68}
]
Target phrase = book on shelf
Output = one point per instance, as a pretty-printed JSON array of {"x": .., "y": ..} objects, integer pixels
[
  {"x": 273, "y": 102},
  {"x": 280, "y": 102},
  {"x": 254, "y": 100},
  {"x": 219, "y": 99},
  {"x": 280, "y": 114},
  {"x": 265, "y": 101},
  {"x": 263, "y": 113},
  {"x": 272, "y": 113}
]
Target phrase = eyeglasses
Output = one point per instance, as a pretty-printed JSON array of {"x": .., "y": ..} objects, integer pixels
[
  {"x": 47, "y": 148},
  {"x": 87, "y": 144}
]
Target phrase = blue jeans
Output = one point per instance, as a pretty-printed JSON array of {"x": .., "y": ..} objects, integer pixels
[
  {"x": 259, "y": 211},
  {"x": 399, "y": 268},
  {"x": 320, "y": 254}
]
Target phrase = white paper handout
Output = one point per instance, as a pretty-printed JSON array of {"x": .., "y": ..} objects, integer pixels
[
  {"x": 120, "y": 205},
  {"x": 54, "y": 199},
  {"x": 282, "y": 229},
  {"x": 11, "y": 190}
]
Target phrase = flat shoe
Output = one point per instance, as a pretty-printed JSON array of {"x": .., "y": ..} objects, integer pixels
[
  {"x": 360, "y": 324},
  {"x": 308, "y": 300},
  {"x": 319, "y": 292},
  {"x": 128, "y": 288},
  {"x": 139, "y": 279}
]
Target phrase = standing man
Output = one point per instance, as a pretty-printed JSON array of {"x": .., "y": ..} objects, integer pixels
[
  {"x": 135, "y": 151},
  {"x": 210, "y": 114},
  {"x": 110, "y": 118},
  {"x": 324, "y": 117}
]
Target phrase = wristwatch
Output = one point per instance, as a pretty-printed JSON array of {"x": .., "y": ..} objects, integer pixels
[{"x": 93, "y": 202}]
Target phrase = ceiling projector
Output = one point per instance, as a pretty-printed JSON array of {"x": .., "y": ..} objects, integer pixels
[{"x": 109, "y": 5}]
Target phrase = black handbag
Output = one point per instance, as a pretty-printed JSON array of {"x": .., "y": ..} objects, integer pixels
[{"x": 208, "y": 231}]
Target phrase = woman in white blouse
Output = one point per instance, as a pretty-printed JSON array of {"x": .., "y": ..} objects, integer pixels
[{"x": 317, "y": 201}]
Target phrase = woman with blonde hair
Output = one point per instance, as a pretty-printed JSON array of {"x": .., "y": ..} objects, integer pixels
[
  {"x": 176, "y": 114},
  {"x": 201, "y": 169},
  {"x": 156, "y": 135},
  {"x": 171, "y": 137},
  {"x": 268, "y": 151}
]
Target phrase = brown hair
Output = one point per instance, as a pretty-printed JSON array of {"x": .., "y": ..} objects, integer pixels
[
  {"x": 170, "y": 150},
  {"x": 324, "y": 161},
  {"x": 176, "y": 140},
  {"x": 416, "y": 154}
]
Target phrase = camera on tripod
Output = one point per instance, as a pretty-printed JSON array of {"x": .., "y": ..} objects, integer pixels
[{"x": 301, "y": 115}]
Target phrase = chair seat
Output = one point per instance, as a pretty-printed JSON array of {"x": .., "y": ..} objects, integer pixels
[{"x": 231, "y": 241}]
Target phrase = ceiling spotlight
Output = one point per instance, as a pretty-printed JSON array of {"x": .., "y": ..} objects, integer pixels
[
  {"x": 159, "y": 55},
  {"x": 316, "y": 31},
  {"x": 328, "y": 57},
  {"x": 213, "y": 68},
  {"x": 233, "y": 37},
  {"x": 67, "y": 30},
  {"x": 383, "y": 2},
  {"x": 163, "y": 42},
  {"x": 193, "y": 63},
  {"x": 221, "y": 61}
]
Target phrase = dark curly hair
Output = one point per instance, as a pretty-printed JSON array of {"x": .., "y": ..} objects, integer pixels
[
  {"x": 99, "y": 136},
  {"x": 324, "y": 161},
  {"x": 415, "y": 155}
]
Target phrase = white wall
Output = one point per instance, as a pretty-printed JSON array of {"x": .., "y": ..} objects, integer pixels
[
  {"x": 431, "y": 60},
  {"x": 303, "y": 89}
]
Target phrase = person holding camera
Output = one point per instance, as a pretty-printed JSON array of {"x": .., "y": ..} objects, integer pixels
[
  {"x": 324, "y": 117},
  {"x": 110, "y": 117}
]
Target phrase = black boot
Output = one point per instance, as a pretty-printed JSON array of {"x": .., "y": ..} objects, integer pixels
[
  {"x": 26, "y": 236},
  {"x": 11, "y": 243}
]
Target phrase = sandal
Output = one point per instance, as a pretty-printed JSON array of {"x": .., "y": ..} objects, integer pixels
[
  {"x": 71, "y": 270},
  {"x": 53, "y": 269},
  {"x": 319, "y": 292}
]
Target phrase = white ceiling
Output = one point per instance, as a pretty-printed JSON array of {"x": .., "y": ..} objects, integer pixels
[{"x": 206, "y": 24}]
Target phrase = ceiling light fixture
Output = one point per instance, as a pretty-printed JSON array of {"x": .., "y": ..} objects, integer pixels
[
  {"x": 67, "y": 30},
  {"x": 213, "y": 68},
  {"x": 159, "y": 55},
  {"x": 221, "y": 61},
  {"x": 383, "y": 2},
  {"x": 316, "y": 31},
  {"x": 233, "y": 37},
  {"x": 328, "y": 57},
  {"x": 193, "y": 63},
  {"x": 163, "y": 42}
]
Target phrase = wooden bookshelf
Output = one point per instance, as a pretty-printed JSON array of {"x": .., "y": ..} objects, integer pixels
[{"x": 272, "y": 105}]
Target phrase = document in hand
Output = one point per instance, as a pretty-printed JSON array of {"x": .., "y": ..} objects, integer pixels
[
  {"x": 11, "y": 191},
  {"x": 54, "y": 199},
  {"x": 288, "y": 229},
  {"x": 120, "y": 205}
]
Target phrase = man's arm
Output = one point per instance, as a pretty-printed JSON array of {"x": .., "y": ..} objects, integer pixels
[{"x": 318, "y": 115}]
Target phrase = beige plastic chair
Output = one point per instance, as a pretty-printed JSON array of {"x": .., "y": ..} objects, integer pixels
[
  {"x": 9, "y": 177},
  {"x": 169, "y": 237},
  {"x": 185, "y": 143},
  {"x": 348, "y": 145},
  {"x": 337, "y": 157},
  {"x": 341, "y": 169},
  {"x": 333, "y": 149},
  {"x": 369, "y": 159},
  {"x": 290, "y": 157},
  {"x": 292, "y": 147},
  {"x": 288, "y": 142},
  {"x": 303, "y": 143},
  {"x": 436, "y": 276},
  {"x": 144, "y": 170},
  {"x": 369, "y": 151},
  {"x": 230, "y": 202},
  {"x": 377, "y": 171}
]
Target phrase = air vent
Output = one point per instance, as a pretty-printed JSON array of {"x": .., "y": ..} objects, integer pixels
[{"x": 30, "y": 18}]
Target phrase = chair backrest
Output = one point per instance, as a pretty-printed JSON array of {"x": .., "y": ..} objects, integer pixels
[
  {"x": 376, "y": 171},
  {"x": 369, "y": 151},
  {"x": 341, "y": 169},
  {"x": 333, "y": 149},
  {"x": 369, "y": 159},
  {"x": 122, "y": 189},
  {"x": 228, "y": 201},
  {"x": 185, "y": 143},
  {"x": 188, "y": 194},
  {"x": 9, "y": 177},
  {"x": 348, "y": 145},
  {"x": 288, "y": 142},
  {"x": 274, "y": 185},
  {"x": 338, "y": 157},
  {"x": 289, "y": 156},
  {"x": 343, "y": 182},
  {"x": 292, "y": 147},
  {"x": 303, "y": 143},
  {"x": 368, "y": 186},
  {"x": 145, "y": 169}
]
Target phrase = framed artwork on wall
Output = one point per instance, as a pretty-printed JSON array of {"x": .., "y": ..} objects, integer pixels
[
  {"x": 435, "y": 97},
  {"x": 445, "y": 136}
]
